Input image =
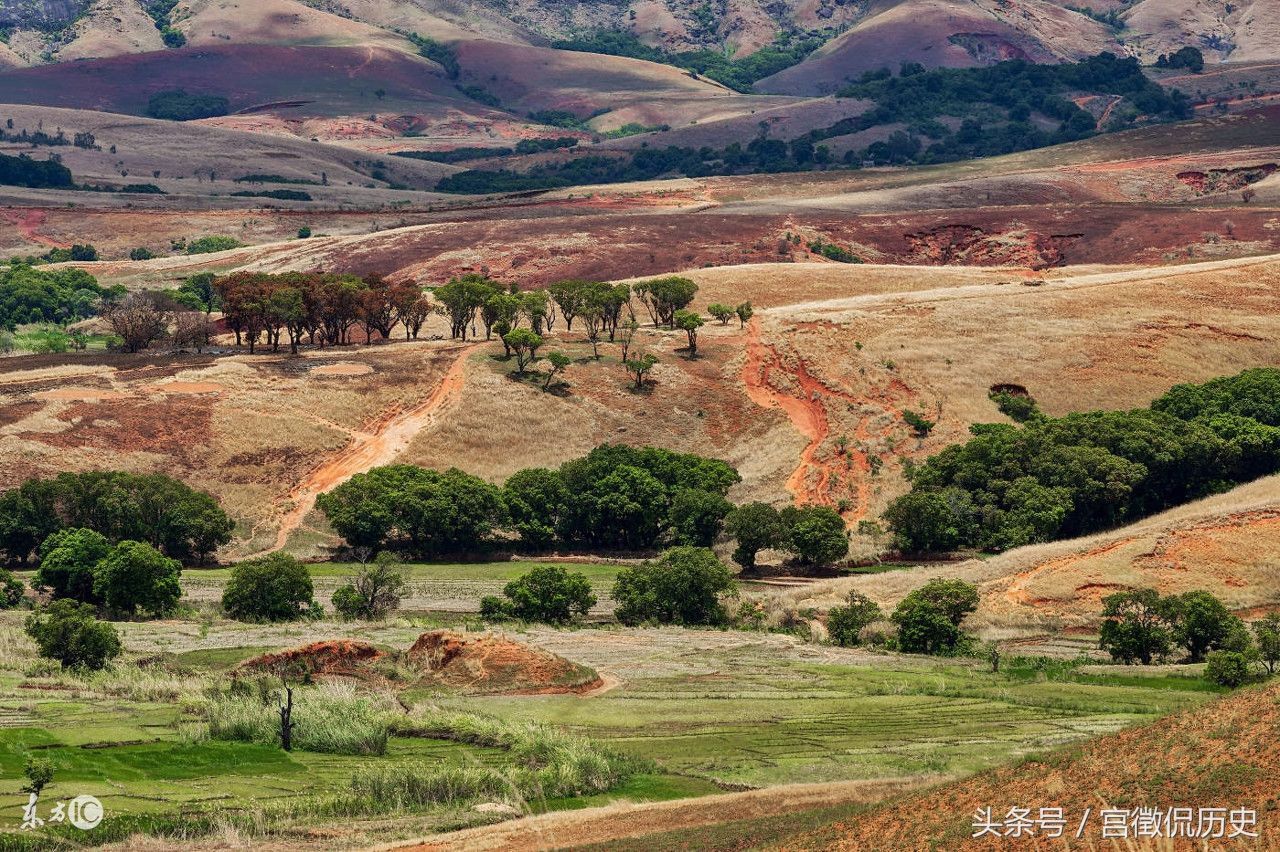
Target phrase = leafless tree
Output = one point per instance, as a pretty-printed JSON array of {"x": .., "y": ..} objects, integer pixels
[
  {"x": 191, "y": 330},
  {"x": 138, "y": 321}
]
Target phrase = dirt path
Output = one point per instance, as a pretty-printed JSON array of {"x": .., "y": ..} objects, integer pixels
[
  {"x": 28, "y": 222},
  {"x": 569, "y": 829},
  {"x": 815, "y": 478},
  {"x": 378, "y": 444}
]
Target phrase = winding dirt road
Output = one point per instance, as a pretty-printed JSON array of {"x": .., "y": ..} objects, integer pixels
[{"x": 389, "y": 436}]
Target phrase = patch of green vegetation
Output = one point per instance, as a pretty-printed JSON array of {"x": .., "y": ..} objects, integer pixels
[
  {"x": 737, "y": 72},
  {"x": 177, "y": 105},
  {"x": 278, "y": 194}
]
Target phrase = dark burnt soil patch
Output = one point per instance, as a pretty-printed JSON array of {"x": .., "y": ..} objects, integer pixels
[
  {"x": 179, "y": 429},
  {"x": 13, "y": 412}
]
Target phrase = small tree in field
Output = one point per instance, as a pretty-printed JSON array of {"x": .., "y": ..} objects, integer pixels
[
  {"x": 273, "y": 588},
  {"x": 524, "y": 343},
  {"x": 639, "y": 366},
  {"x": 721, "y": 312},
  {"x": 626, "y": 334},
  {"x": 1267, "y": 631},
  {"x": 374, "y": 592},
  {"x": 549, "y": 594},
  {"x": 557, "y": 362},
  {"x": 929, "y": 618},
  {"x": 10, "y": 590},
  {"x": 689, "y": 322},
  {"x": 135, "y": 576},
  {"x": 745, "y": 312},
  {"x": 683, "y": 586},
  {"x": 138, "y": 321},
  {"x": 67, "y": 631}
]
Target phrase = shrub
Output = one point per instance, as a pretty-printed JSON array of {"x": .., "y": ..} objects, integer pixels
[
  {"x": 141, "y": 253},
  {"x": 1267, "y": 630},
  {"x": 135, "y": 576},
  {"x": 816, "y": 534},
  {"x": 548, "y": 593},
  {"x": 372, "y": 593},
  {"x": 683, "y": 586},
  {"x": 67, "y": 631},
  {"x": 496, "y": 608},
  {"x": 273, "y": 588},
  {"x": 1229, "y": 668},
  {"x": 68, "y": 560},
  {"x": 845, "y": 623},
  {"x": 1017, "y": 407},
  {"x": 919, "y": 425},
  {"x": 209, "y": 245},
  {"x": 929, "y": 618},
  {"x": 304, "y": 233},
  {"x": 10, "y": 590}
]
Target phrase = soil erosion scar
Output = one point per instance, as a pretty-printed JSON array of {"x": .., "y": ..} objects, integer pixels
[{"x": 391, "y": 434}]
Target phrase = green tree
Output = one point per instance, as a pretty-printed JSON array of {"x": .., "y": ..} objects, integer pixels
[
  {"x": 689, "y": 322},
  {"x": 696, "y": 516},
  {"x": 374, "y": 592},
  {"x": 683, "y": 586},
  {"x": 462, "y": 297},
  {"x": 549, "y": 594},
  {"x": 535, "y": 499},
  {"x": 929, "y": 619},
  {"x": 1267, "y": 631},
  {"x": 67, "y": 631},
  {"x": 1135, "y": 626},
  {"x": 928, "y": 521},
  {"x": 524, "y": 343},
  {"x": 845, "y": 623},
  {"x": 721, "y": 312},
  {"x": 1201, "y": 623},
  {"x": 639, "y": 366},
  {"x": 28, "y": 516},
  {"x": 745, "y": 312},
  {"x": 271, "y": 588},
  {"x": 558, "y": 362},
  {"x": 423, "y": 513},
  {"x": 68, "y": 561},
  {"x": 135, "y": 576},
  {"x": 755, "y": 527},
  {"x": 662, "y": 297},
  {"x": 1230, "y": 668},
  {"x": 10, "y": 590},
  {"x": 815, "y": 534}
]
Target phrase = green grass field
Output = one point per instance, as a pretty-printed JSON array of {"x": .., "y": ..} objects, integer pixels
[
  {"x": 707, "y": 710},
  {"x": 435, "y": 587}
]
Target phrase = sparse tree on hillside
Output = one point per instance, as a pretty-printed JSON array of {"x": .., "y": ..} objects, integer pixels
[
  {"x": 745, "y": 312},
  {"x": 138, "y": 322},
  {"x": 662, "y": 297},
  {"x": 462, "y": 298},
  {"x": 626, "y": 335},
  {"x": 524, "y": 343},
  {"x": 411, "y": 307},
  {"x": 557, "y": 362},
  {"x": 1201, "y": 623},
  {"x": 721, "y": 312},
  {"x": 569, "y": 296},
  {"x": 640, "y": 366},
  {"x": 1136, "y": 626},
  {"x": 1267, "y": 632},
  {"x": 816, "y": 534},
  {"x": 689, "y": 322}
]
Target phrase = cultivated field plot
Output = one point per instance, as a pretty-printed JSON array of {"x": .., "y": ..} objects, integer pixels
[
  {"x": 453, "y": 588},
  {"x": 712, "y": 709}
]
